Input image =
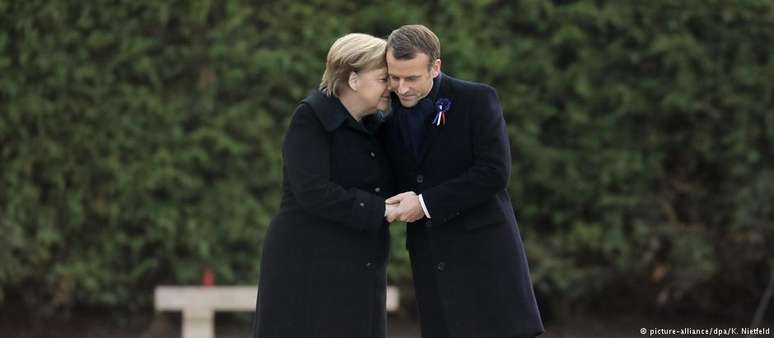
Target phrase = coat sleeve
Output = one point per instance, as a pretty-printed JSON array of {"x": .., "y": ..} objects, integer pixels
[
  {"x": 306, "y": 156},
  {"x": 491, "y": 166}
]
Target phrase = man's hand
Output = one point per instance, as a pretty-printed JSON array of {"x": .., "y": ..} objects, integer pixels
[
  {"x": 407, "y": 209},
  {"x": 389, "y": 211}
]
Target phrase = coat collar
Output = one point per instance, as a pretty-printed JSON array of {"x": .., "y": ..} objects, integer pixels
[
  {"x": 328, "y": 109},
  {"x": 332, "y": 114},
  {"x": 433, "y": 95}
]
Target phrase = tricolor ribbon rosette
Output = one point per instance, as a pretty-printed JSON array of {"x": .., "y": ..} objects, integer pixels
[{"x": 442, "y": 107}]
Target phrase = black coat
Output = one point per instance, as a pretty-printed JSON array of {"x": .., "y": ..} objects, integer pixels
[
  {"x": 470, "y": 269},
  {"x": 324, "y": 256}
]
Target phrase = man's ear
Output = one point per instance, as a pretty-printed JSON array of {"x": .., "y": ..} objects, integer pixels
[
  {"x": 354, "y": 81},
  {"x": 435, "y": 70}
]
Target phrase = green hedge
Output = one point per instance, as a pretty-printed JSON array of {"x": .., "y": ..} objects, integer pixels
[{"x": 140, "y": 140}]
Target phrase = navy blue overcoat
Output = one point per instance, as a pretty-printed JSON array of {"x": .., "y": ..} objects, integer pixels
[{"x": 470, "y": 270}]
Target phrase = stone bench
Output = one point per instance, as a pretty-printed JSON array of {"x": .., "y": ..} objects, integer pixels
[{"x": 199, "y": 303}]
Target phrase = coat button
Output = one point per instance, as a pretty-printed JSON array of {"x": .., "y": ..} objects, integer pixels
[
  {"x": 441, "y": 266},
  {"x": 373, "y": 155},
  {"x": 369, "y": 265},
  {"x": 428, "y": 223},
  {"x": 377, "y": 189},
  {"x": 420, "y": 178},
  {"x": 362, "y": 204}
]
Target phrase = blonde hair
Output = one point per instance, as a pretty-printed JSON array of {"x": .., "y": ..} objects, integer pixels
[{"x": 353, "y": 52}]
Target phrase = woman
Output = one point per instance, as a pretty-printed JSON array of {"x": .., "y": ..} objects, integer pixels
[{"x": 324, "y": 257}]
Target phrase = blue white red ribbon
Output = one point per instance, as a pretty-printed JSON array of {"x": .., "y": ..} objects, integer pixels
[{"x": 442, "y": 106}]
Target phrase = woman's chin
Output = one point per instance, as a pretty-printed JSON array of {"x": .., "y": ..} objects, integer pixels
[{"x": 384, "y": 105}]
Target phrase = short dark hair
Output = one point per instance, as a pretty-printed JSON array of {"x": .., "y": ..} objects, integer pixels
[{"x": 405, "y": 42}]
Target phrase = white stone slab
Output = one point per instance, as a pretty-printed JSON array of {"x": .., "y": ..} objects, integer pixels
[
  {"x": 199, "y": 303},
  {"x": 217, "y": 298}
]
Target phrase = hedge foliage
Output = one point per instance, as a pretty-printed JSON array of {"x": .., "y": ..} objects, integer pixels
[{"x": 140, "y": 140}]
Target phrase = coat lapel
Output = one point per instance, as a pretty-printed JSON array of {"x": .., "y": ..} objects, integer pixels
[
  {"x": 434, "y": 131},
  {"x": 430, "y": 136},
  {"x": 398, "y": 141}
]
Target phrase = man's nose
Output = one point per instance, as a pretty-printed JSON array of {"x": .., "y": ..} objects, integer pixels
[{"x": 402, "y": 88}]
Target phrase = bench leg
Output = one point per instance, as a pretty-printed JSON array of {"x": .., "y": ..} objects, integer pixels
[{"x": 198, "y": 323}]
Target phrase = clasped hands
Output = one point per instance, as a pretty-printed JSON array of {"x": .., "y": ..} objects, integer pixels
[{"x": 404, "y": 207}]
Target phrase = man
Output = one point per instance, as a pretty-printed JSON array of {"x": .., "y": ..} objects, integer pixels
[{"x": 448, "y": 143}]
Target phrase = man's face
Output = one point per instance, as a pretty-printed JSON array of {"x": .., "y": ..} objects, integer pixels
[{"x": 411, "y": 79}]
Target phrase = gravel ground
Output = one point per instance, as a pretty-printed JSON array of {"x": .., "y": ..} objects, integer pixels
[{"x": 100, "y": 325}]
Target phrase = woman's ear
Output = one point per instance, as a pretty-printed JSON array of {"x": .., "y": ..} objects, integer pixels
[{"x": 354, "y": 81}]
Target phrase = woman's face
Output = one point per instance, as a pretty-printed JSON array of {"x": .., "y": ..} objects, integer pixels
[{"x": 373, "y": 89}]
